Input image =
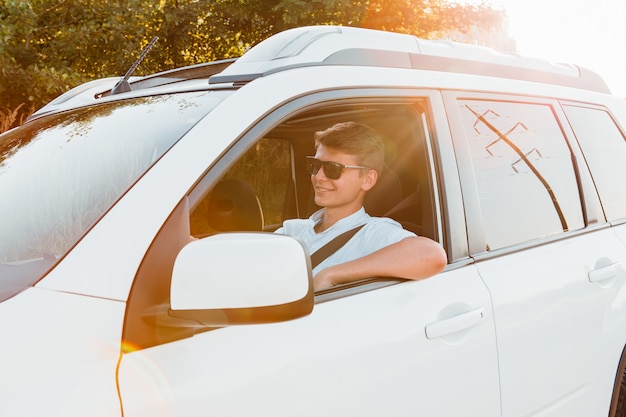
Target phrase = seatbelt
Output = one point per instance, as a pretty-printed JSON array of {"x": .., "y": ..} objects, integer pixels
[{"x": 332, "y": 246}]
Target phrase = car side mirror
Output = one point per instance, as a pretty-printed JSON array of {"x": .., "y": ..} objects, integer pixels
[{"x": 242, "y": 278}]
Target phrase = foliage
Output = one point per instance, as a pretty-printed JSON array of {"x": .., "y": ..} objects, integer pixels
[{"x": 50, "y": 46}]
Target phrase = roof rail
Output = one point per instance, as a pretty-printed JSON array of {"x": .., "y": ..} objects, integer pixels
[{"x": 344, "y": 45}]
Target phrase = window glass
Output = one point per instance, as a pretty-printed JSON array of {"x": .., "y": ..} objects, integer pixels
[
  {"x": 59, "y": 174},
  {"x": 605, "y": 152},
  {"x": 255, "y": 185},
  {"x": 526, "y": 181}
]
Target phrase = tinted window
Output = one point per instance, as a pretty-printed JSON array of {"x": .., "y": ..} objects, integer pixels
[
  {"x": 605, "y": 152},
  {"x": 526, "y": 181}
]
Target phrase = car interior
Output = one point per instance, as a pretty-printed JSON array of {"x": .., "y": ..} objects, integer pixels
[{"x": 247, "y": 199}]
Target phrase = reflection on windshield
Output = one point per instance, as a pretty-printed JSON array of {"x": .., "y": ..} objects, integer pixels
[{"x": 58, "y": 175}]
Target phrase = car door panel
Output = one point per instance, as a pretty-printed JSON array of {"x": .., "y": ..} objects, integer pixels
[
  {"x": 365, "y": 355},
  {"x": 540, "y": 243},
  {"x": 551, "y": 322}
]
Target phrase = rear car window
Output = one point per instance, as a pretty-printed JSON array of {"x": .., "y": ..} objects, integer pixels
[
  {"x": 605, "y": 152},
  {"x": 524, "y": 171}
]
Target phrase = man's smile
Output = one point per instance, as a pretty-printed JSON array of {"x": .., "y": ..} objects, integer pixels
[{"x": 322, "y": 189}]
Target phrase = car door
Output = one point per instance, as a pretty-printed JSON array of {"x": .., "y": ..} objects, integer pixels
[
  {"x": 365, "y": 355},
  {"x": 376, "y": 348},
  {"x": 553, "y": 266}
]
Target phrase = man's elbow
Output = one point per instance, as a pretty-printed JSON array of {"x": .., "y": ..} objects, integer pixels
[
  {"x": 439, "y": 260},
  {"x": 434, "y": 258}
]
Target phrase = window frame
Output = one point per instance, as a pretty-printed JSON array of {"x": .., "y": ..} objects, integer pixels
[
  {"x": 147, "y": 322},
  {"x": 596, "y": 107},
  {"x": 443, "y": 171}
]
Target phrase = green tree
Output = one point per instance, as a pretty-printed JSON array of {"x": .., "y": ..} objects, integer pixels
[
  {"x": 50, "y": 46},
  {"x": 47, "y": 47}
]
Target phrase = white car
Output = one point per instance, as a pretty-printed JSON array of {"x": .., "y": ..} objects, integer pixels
[{"x": 109, "y": 308}]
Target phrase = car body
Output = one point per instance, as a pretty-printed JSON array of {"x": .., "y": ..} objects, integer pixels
[{"x": 109, "y": 306}]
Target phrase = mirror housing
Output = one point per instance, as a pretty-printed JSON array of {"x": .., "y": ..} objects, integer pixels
[{"x": 242, "y": 278}]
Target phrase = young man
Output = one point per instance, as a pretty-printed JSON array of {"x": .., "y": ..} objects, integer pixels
[{"x": 348, "y": 159}]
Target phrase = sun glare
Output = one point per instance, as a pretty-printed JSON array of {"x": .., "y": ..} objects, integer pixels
[{"x": 582, "y": 32}]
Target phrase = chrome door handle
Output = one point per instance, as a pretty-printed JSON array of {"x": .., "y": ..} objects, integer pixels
[
  {"x": 605, "y": 272},
  {"x": 455, "y": 324}
]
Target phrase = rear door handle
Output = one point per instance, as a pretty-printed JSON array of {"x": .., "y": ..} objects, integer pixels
[
  {"x": 455, "y": 324},
  {"x": 605, "y": 272}
]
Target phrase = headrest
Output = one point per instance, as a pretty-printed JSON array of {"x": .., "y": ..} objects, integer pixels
[
  {"x": 384, "y": 195},
  {"x": 234, "y": 206}
]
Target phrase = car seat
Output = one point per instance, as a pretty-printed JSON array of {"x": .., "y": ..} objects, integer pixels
[
  {"x": 384, "y": 195},
  {"x": 385, "y": 199},
  {"x": 234, "y": 206}
]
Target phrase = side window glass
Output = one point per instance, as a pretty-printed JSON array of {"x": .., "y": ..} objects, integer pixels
[
  {"x": 605, "y": 151},
  {"x": 251, "y": 195},
  {"x": 523, "y": 167}
]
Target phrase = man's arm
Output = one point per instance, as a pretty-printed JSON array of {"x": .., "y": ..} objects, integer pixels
[{"x": 412, "y": 258}]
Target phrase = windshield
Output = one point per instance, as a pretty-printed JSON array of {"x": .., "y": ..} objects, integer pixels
[{"x": 59, "y": 174}]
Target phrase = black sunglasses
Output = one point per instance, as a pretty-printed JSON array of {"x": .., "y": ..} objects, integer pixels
[{"x": 332, "y": 170}]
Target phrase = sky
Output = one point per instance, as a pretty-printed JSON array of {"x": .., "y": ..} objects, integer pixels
[{"x": 589, "y": 33}]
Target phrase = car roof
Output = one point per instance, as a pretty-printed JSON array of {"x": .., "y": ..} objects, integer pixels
[
  {"x": 336, "y": 45},
  {"x": 340, "y": 45}
]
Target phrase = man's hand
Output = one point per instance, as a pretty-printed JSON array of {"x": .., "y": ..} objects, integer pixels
[{"x": 323, "y": 280}]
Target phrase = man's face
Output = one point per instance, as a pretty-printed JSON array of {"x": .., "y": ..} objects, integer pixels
[{"x": 348, "y": 191}]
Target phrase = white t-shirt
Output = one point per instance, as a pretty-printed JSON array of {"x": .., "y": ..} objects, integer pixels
[{"x": 377, "y": 233}]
